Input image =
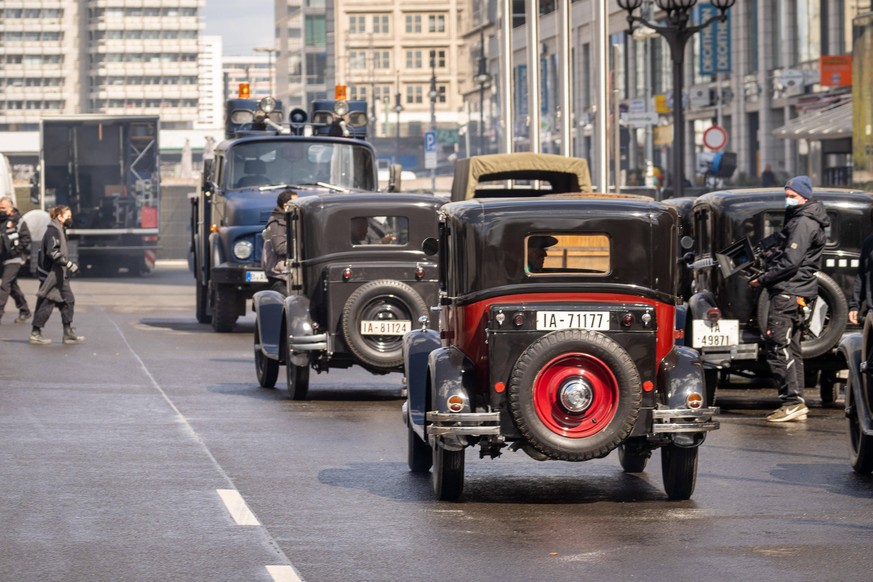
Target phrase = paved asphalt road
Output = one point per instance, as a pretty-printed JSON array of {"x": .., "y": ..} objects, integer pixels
[{"x": 116, "y": 455}]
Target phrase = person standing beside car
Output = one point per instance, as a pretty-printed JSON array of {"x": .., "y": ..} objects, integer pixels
[
  {"x": 862, "y": 292},
  {"x": 14, "y": 248},
  {"x": 275, "y": 251},
  {"x": 54, "y": 271},
  {"x": 790, "y": 281}
]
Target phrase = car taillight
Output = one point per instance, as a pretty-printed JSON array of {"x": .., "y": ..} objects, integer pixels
[
  {"x": 627, "y": 320},
  {"x": 347, "y": 274},
  {"x": 419, "y": 273},
  {"x": 455, "y": 403},
  {"x": 713, "y": 314},
  {"x": 518, "y": 319},
  {"x": 694, "y": 401}
]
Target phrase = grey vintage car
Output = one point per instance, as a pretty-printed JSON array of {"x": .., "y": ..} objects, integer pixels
[{"x": 357, "y": 281}]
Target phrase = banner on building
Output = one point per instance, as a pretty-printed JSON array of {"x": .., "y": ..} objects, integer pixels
[
  {"x": 862, "y": 99},
  {"x": 715, "y": 42}
]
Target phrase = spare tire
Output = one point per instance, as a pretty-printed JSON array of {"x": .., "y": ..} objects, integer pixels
[
  {"x": 834, "y": 318},
  {"x": 575, "y": 394},
  {"x": 382, "y": 300}
]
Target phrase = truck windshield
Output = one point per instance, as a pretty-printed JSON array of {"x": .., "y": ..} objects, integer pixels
[{"x": 297, "y": 163}]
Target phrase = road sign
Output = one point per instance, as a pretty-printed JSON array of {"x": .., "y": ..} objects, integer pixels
[
  {"x": 639, "y": 119},
  {"x": 430, "y": 150},
  {"x": 715, "y": 138}
]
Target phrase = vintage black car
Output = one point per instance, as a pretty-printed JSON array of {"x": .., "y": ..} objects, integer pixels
[
  {"x": 556, "y": 337},
  {"x": 856, "y": 350},
  {"x": 357, "y": 281},
  {"x": 725, "y": 315}
]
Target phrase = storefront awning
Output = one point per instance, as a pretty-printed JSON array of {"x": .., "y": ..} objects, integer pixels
[{"x": 831, "y": 123}]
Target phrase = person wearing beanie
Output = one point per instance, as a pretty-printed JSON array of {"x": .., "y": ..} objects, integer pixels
[{"x": 790, "y": 282}]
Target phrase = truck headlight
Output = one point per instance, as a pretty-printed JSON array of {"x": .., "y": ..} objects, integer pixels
[{"x": 243, "y": 249}]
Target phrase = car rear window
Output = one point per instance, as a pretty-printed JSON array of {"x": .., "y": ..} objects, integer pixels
[
  {"x": 379, "y": 230},
  {"x": 567, "y": 254},
  {"x": 773, "y": 222}
]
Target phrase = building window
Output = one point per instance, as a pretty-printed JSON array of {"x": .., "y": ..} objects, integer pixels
[
  {"x": 413, "y": 59},
  {"x": 357, "y": 24},
  {"x": 439, "y": 58},
  {"x": 382, "y": 59},
  {"x": 316, "y": 65},
  {"x": 436, "y": 23},
  {"x": 314, "y": 26},
  {"x": 413, "y": 23},
  {"x": 414, "y": 94},
  {"x": 380, "y": 24}
]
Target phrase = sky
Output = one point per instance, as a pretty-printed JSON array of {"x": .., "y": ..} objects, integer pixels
[{"x": 242, "y": 25}]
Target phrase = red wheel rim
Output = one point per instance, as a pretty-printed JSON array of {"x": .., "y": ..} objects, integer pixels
[{"x": 547, "y": 395}]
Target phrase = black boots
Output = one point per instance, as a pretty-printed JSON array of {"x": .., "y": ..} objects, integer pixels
[
  {"x": 37, "y": 339},
  {"x": 70, "y": 336}
]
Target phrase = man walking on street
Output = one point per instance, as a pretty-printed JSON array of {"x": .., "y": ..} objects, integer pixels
[
  {"x": 791, "y": 284},
  {"x": 54, "y": 270},
  {"x": 14, "y": 248}
]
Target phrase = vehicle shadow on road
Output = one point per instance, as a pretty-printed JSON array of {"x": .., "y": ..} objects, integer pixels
[
  {"x": 393, "y": 480},
  {"x": 837, "y": 479}
]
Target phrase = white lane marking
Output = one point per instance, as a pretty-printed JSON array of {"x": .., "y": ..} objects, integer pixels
[
  {"x": 185, "y": 423},
  {"x": 283, "y": 574},
  {"x": 237, "y": 507}
]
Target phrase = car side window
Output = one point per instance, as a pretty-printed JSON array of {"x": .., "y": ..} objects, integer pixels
[
  {"x": 379, "y": 230},
  {"x": 773, "y": 222},
  {"x": 567, "y": 254}
]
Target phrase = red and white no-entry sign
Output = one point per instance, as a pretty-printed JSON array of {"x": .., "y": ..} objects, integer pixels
[{"x": 715, "y": 138}]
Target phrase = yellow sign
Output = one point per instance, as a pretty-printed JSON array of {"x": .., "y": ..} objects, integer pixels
[
  {"x": 661, "y": 104},
  {"x": 663, "y": 135}
]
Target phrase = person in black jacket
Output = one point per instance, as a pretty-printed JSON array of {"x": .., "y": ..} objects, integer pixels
[
  {"x": 14, "y": 248},
  {"x": 54, "y": 273},
  {"x": 275, "y": 251},
  {"x": 862, "y": 293},
  {"x": 790, "y": 281}
]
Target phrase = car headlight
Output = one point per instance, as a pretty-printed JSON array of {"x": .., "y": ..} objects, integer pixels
[
  {"x": 341, "y": 108},
  {"x": 357, "y": 119},
  {"x": 243, "y": 249},
  {"x": 242, "y": 116},
  {"x": 267, "y": 105}
]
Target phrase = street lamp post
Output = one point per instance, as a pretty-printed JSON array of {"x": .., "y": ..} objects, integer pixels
[
  {"x": 270, "y": 52},
  {"x": 433, "y": 94},
  {"x": 397, "y": 109},
  {"x": 676, "y": 32},
  {"x": 483, "y": 79}
]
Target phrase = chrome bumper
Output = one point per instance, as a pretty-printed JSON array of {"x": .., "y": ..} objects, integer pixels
[
  {"x": 672, "y": 420},
  {"x": 308, "y": 343},
  {"x": 463, "y": 423}
]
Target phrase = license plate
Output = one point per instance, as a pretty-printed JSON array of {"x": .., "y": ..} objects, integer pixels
[
  {"x": 597, "y": 320},
  {"x": 256, "y": 277},
  {"x": 706, "y": 334},
  {"x": 385, "y": 326}
]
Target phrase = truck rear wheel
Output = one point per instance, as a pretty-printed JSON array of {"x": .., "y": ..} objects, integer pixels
[
  {"x": 224, "y": 314},
  {"x": 201, "y": 300},
  {"x": 575, "y": 394}
]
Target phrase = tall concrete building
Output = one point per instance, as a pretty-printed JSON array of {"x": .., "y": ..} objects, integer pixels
[{"x": 92, "y": 56}]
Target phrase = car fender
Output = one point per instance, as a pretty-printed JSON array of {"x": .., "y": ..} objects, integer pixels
[
  {"x": 451, "y": 374},
  {"x": 417, "y": 346},
  {"x": 680, "y": 374},
  {"x": 268, "y": 306},
  {"x": 699, "y": 304},
  {"x": 298, "y": 323},
  {"x": 850, "y": 348}
]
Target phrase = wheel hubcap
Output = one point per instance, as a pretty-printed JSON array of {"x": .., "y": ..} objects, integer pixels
[{"x": 576, "y": 394}]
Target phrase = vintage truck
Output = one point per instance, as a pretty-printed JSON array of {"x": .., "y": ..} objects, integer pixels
[
  {"x": 263, "y": 154},
  {"x": 106, "y": 168}
]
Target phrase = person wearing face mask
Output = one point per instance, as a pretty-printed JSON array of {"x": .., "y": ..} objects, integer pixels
[
  {"x": 14, "y": 248},
  {"x": 791, "y": 284},
  {"x": 54, "y": 271}
]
